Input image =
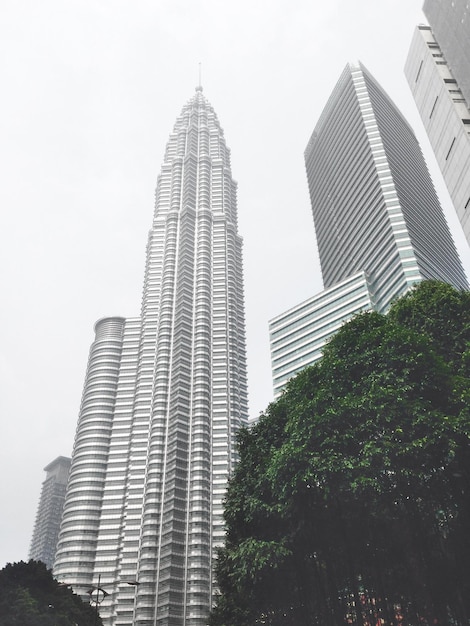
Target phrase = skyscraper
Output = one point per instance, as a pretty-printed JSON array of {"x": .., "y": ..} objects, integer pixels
[
  {"x": 51, "y": 503},
  {"x": 438, "y": 72},
  {"x": 164, "y": 396},
  {"x": 379, "y": 225},
  {"x": 450, "y": 23}
]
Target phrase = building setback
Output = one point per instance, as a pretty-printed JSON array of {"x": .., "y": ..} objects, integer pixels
[
  {"x": 51, "y": 503},
  {"x": 164, "y": 396},
  {"x": 439, "y": 78},
  {"x": 379, "y": 225}
]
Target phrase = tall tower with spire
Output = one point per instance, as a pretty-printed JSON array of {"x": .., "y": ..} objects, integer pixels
[{"x": 164, "y": 396}]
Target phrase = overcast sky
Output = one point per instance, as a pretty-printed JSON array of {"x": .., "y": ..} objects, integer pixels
[{"x": 90, "y": 92}]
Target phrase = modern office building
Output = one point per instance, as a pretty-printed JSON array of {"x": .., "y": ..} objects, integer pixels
[
  {"x": 450, "y": 23},
  {"x": 298, "y": 336},
  {"x": 164, "y": 396},
  {"x": 379, "y": 225},
  {"x": 439, "y": 78},
  {"x": 47, "y": 524}
]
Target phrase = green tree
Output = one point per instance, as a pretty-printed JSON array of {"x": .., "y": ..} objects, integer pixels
[
  {"x": 350, "y": 503},
  {"x": 30, "y": 596}
]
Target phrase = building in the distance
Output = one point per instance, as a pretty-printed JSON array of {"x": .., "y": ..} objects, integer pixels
[
  {"x": 378, "y": 221},
  {"x": 164, "y": 397},
  {"x": 438, "y": 72},
  {"x": 49, "y": 513}
]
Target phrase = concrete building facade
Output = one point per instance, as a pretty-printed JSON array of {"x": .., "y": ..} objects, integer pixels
[
  {"x": 450, "y": 23},
  {"x": 438, "y": 73},
  {"x": 298, "y": 336},
  {"x": 445, "y": 116}
]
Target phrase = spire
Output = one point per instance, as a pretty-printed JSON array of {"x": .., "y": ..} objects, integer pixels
[{"x": 199, "y": 87}]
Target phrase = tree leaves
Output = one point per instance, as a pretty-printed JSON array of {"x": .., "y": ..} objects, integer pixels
[
  {"x": 30, "y": 596},
  {"x": 350, "y": 501}
]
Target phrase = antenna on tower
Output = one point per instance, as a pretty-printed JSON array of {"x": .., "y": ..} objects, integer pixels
[{"x": 200, "y": 76}]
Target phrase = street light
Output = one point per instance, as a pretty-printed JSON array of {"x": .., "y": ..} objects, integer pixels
[
  {"x": 97, "y": 595},
  {"x": 135, "y": 584}
]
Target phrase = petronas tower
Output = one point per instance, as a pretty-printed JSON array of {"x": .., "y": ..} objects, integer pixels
[{"x": 164, "y": 396}]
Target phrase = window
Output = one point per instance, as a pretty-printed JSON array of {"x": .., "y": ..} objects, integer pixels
[
  {"x": 419, "y": 71},
  {"x": 451, "y": 146}
]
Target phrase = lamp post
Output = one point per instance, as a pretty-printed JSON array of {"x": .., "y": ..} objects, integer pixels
[
  {"x": 135, "y": 584},
  {"x": 97, "y": 595}
]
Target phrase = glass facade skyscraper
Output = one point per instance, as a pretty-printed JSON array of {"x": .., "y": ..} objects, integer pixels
[
  {"x": 379, "y": 224},
  {"x": 164, "y": 396}
]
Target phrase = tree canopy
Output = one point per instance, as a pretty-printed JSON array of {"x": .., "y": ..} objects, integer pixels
[
  {"x": 30, "y": 596},
  {"x": 350, "y": 503}
]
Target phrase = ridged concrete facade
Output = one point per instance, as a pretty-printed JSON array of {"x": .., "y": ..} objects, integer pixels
[
  {"x": 379, "y": 224},
  {"x": 144, "y": 502},
  {"x": 298, "y": 336},
  {"x": 374, "y": 205}
]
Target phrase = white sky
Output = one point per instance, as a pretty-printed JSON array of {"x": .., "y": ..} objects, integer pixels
[{"x": 90, "y": 93}]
